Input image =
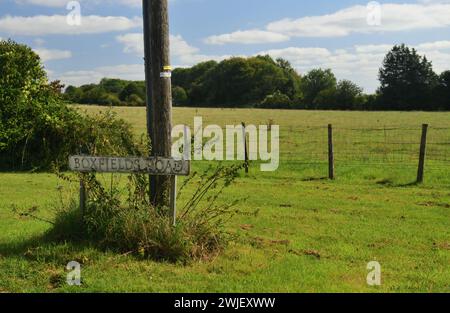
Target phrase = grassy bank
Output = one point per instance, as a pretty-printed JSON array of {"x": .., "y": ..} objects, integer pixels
[{"x": 305, "y": 234}]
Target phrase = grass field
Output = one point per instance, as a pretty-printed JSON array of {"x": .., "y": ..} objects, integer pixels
[{"x": 308, "y": 234}]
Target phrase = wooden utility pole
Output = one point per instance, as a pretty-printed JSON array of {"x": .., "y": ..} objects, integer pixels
[
  {"x": 148, "y": 84},
  {"x": 159, "y": 91}
]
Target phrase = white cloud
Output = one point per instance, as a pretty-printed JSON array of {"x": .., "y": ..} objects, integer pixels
[
  {"x": 351, "y": 20},
  {"x": 41, "y": 25},
  {"x": 63, "y": 3},
  {"x": 39, "y": 41},
  {"x": 185, "y": 54},
  {"x": 132, "y": 3},
  {"x": 373, "y": 48},
  {"x": 394, "y": 17},
  {"x": 124, "y": 71},
  {"x": 437, "y": 45},
  {"x": 47, "y": 3},
  {"x": 134, "y": 43},
  {"x": 180, "y": 49},
  {"x": 254, "y": 36},
  {"x": 53, "y": 54}
]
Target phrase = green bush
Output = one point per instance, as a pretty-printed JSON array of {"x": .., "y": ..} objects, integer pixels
[
  {"x": 135, "y": 101},
  {"x": 277, "y": 100},
  {"x": 129, "y": 223},
  {"x": 179, "y": 96},
  {"x": 37, "y": 128}
]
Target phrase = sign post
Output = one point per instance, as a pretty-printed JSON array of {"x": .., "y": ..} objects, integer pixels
[{"x": 155, "y": 166}]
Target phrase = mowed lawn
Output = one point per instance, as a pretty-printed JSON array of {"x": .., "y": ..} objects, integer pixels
[{"x": 301, "y": 233}]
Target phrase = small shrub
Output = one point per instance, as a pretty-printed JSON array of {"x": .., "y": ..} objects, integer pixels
[
  {"x": 133, "y": 225},
  {"x": 277, "y": 100}
]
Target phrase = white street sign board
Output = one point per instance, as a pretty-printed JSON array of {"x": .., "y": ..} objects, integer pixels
[{"x": 152, "y": 165}]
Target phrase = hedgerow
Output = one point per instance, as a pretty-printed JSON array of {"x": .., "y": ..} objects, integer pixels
[{"x": 38, "y": 130}]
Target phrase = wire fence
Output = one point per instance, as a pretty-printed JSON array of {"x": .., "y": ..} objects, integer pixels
[{"x": 387, "y": 145}]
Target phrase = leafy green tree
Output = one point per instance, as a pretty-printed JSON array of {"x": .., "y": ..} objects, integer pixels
[
  {"x": 268, "y": 77},
  {"x": 37, "y": 129},
  {"x": 326, "y": 99},
  {"x": 34, "y": 123},
  {"x": 315, "y": 82},
  {"x": 292, "y": 86},
  {"x": 179, "y": 96},
  {"x": 277, "y": 100},
  {"x": 407, "y": 80},
  {"x": 369, "y": 102},
  {"x": 135, "y": 101},
  {"x": 132, "y": 88},
  {"x": 348, "y": 96},
  {"x": 57, "y": 87},
  {"x": 22, "y": 79},
  {"x": 442, "y": 92},
  {"x": 238, "y": 82},
  {"x": 73, "y": 94},
  {"x": 188, "y": 77},
  {"x": 226, "y": 85},
  {"x": 113, "y": 85}
]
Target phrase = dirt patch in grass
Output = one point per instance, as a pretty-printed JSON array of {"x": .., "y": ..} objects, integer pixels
[
  {"x": 442, "y": 245},
  {"x": 313, "y": 253},
  {"x": 434, "y": 204}
]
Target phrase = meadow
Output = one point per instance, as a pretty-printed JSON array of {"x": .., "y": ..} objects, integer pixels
[{"x": 302, "y": 233}]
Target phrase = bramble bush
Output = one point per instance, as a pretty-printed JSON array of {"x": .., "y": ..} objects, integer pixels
[
  {"x": 128, "y": 223},
  {"x": 37, "y": 128}
]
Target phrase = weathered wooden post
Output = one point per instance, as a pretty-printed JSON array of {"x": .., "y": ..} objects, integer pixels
[
  {"x": 83, "y": 196},
  {"x": 159, "y": 91},
  {"x": 148, "y": 85},
  {"x": 423, "y": 149},
  {"x": 330, "y": 152},
  {"x": 244, "y": 134},
  {"x": 173, "y": 200}
]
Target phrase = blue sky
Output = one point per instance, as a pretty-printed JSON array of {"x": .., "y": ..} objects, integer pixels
[{"x": 350, "y": 37}]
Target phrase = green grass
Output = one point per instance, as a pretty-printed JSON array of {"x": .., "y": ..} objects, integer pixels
[{"x": 309, "y": 234}]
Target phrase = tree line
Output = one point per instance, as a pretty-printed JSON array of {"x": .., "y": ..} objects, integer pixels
[{"x": 407, "y": 82}]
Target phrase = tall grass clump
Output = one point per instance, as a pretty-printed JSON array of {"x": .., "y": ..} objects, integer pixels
[{"x": 128, "y": 223}]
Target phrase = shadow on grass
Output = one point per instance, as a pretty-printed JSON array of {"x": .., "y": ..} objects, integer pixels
[
  {"x": 45, "y": 248},
  {"x": 314, "y": 179},
  {"x": 391, "y": 184}
]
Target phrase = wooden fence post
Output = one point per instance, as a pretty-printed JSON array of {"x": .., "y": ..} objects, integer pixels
[
  {"x": 245, "y": 147},
  {"x": 423, "y": 149},
  {"x": 330, "y": 152},
  {"x": 82, "y": 196}
]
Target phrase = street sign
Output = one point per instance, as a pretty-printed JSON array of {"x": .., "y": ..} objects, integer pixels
[{"x": 152, "y": 165}]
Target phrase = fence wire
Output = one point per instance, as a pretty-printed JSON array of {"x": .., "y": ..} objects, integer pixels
[{"x": 386, "y": 145}]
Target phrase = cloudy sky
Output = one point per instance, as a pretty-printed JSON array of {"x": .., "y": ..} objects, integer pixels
[{"x": 351, "y": 37}]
